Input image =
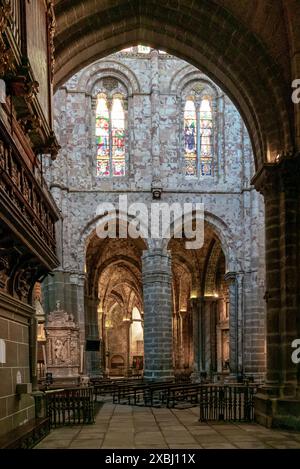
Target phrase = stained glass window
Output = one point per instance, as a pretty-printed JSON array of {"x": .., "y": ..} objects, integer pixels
[
  {"x": 102, "y": 136},
  {"x": 143, "y": 49},
  {"x": 206, "y": 127},
  {"x": 110, "y": 136},
  {"x": 198, "y": 136},
  {"x": 118, "y": 138},
  {"x": 190, "y": 138}
]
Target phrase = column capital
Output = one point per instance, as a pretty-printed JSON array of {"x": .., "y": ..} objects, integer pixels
[
  {"x": 230, "y": 277},
  {"x": 275, "y": 177}
]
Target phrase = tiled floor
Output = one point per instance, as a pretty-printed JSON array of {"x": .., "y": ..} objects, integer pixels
[{"x": 119, "y": 426}]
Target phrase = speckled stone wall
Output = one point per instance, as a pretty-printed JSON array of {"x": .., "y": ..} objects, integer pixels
[{"x": 155, "y": 84}]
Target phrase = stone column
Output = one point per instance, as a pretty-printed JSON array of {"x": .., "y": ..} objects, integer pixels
[
  {"x": 157, "y": 290},
  {"x": 279, "y": 183},
  {"x": 176, "y": 341},
  {"x": 196, "y": 310},
  {"x": 93, "y": 358},
  {"x": 213, "y": 335},
  {"x": 185, "y": 337},
  {"x": 235, "y": 286}
]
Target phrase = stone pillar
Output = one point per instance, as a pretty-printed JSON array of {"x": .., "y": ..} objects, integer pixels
[
  {"x": 93, "y": 359},
  {"x": 208, "y": 335},
  {"x": 213, "y": 335},
  {"x": 235, "y": 287},
  {"x": 176, "y": 341},
  {"x": 185, "y": 338},
  {"x": 196, "y": 309},
  {"x": 157, "y": 290},
  {"x": 279, "y": 400}
]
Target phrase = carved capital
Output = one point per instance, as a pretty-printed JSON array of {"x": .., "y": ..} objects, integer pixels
[
  {"x": 280, "y": 176},
  {"x": 230, "y": 277},
  {"x": 266, "y": 180}
]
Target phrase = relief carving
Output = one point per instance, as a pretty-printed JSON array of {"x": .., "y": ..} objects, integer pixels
[{"x": 62, "y": 344}]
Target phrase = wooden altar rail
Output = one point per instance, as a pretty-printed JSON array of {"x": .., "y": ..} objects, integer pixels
[
  {"x": 72, "y": 406},
  {"x": 227, "y": 403}
]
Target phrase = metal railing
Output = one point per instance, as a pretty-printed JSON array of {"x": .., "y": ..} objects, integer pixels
[
  {"x": 72, "y": 406},
  {"x": 227, "y": 403}
]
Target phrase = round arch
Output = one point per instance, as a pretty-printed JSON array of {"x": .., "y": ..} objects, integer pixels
[
  {"x": 205, "y": 35},
  {"x": 226, "y": 238}
]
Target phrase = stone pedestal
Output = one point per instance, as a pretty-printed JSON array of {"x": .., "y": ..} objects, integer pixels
[
  {"x": 62, "y": 347},
  {"x": 158, "y": 340}
]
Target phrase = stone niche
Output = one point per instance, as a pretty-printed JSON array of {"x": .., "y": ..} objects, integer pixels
[{"x": 62, "y": 347}]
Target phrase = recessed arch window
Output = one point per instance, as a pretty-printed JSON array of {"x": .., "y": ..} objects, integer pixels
[
  {"x": 198, "y": 136},
  {"x": 110, "y": 131}
]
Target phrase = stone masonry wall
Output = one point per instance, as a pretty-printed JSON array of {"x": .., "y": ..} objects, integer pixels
[{"x": 155, "y": 84}]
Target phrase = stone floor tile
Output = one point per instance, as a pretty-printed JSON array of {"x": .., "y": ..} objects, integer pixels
[
  {"x": 251, "y": 445},
  {"x": 86, "y": 444},
  {"x": 132, "y": 427},
  {"x": 218, "y": 446},
  {"x": 49, "y": 444},
  {"x": 180, "y": 446},
  {"x": 88, "y": 435}
]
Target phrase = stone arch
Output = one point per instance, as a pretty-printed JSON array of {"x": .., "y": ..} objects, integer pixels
[
  {"x": 89, "y": 230},
  {"x": 211, "y": 269},
  {"x": 90, "y": 76},
  {"x": 225, "y": 236},
  {"x": 187, "y": 75},
  {"x": 257, "y": 87}
]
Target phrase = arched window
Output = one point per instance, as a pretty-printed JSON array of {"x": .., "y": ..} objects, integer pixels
[
  {"x": 198, "y": 136},
  {"x": 206, "y": 142},
  {"x": 110, "y": 135},
  {"x": 190, "y": 137}
]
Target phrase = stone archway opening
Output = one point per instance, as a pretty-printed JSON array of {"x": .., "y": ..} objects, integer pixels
[
  {"x": 114, "y": 306},
  {"x": 258, "y": 94},
  {"x": 201, "y": 311}
]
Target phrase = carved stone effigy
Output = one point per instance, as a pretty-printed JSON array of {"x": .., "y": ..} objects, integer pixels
[{"x": 62, "y": 346}]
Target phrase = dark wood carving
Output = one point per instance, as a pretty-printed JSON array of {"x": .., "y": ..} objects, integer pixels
[{"x": 17, "y": 72}]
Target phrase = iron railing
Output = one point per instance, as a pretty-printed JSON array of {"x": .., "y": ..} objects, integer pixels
[
  {"x": 227, "y": 403},
  {"x": 73, "y": 406}
]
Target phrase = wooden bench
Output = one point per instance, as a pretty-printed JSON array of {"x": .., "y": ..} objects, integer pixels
[
  {"x": 26, "y": 436},
  {"x": 139, "y": 394},
  {"x": 183, "y": 393}
]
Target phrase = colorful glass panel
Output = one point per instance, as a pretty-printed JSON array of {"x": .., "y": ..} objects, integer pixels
[
  {"x": 190, "y": 138},
  {"x": 102, "y": 137},
  {"x": 206, "y": 166},
  {"x": 118, "y": 137},
  {"x": 143, "y": 49},
  {"x": 206, "y": 129}
]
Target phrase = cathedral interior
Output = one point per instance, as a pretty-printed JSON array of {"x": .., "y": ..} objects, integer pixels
[{"x": 156, "y": 105}]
